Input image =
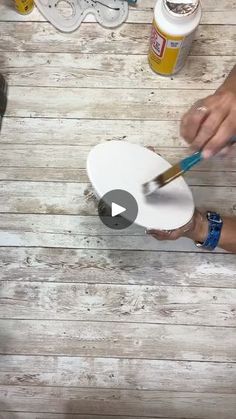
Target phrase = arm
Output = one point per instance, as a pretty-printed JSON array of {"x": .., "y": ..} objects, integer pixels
[
  {"x": 230, "y": 82},
  {"x": 211, "y": 122},
  {"x": 228, "y": 233},
  {"x": 208, "y": 125},
  {"x": 197, "y": 231}
]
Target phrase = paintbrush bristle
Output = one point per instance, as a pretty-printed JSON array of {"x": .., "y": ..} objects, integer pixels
[
  {"x": 162, "y": 180},
  {"x": 150, "y": 187}
]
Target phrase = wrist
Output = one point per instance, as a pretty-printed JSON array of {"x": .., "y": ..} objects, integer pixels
[
  {"x": 229, "y": 85},
  {"x": 200, "y": 230}
]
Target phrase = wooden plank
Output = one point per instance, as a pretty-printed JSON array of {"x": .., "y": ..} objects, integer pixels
[
  {"x": 224, "y": 13},
  {"x": 219, "y": 5},
  {"x": 121, "y": 402},
  {"x": 145, "y": 104},
  {"x": 74, "y": 158},
  {"x": 144, "y": 304},
  {"x": 44, "y": 156},
  {"x": 61, "y": 199},
  {"x": 85, "y": 133},
  {"x": 86, "y": 70},
  {"x": 128, "y": 38},
  {"x": 23, "y": 234},
  {"x": 45, "y": 174},
  {"x": 117, "y": 267},
  {"x": 36, "y": 415},
  {"x": 215, "y": 199},
  {"x": 71, "y": 199},
  {"x": 209, "y": 178},
  {"x": 65, "y": 225},
  {"x": 47, "y": 131},
  {"x": 118, "y": 340},
  {"x": 44, "y": 415},
  {"x": 51, "y": 131},
  {"x": 114, "y": 373},
  {"x": 30, "y": 239},
  {"x": 209, "y": 17}
]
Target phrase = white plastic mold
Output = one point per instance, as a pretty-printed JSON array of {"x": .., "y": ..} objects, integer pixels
[{"x": 67, "y": 15}]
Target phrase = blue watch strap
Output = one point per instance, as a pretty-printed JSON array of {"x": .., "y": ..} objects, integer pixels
[{"x": 214, "y": 231}]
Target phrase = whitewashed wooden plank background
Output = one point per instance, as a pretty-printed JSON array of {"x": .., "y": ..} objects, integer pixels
[
  {"x": 113, "y": 373},
  {"x": 118, "y": 339},
  {"x": 165, "y": 404},
  {"x": 117, "y": 267},
  {"x": 95, "y": 324},
  {"x": 99, "y": 70},
  {"x": 148, "y": 304},
  {"x": 145, "y": 104},
  {"x": 32, "y": 415},
  {"x": 219, "y": 12},
  {"x": 127, "y": 39}
]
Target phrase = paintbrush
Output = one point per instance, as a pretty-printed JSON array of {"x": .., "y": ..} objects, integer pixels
[{"x": 175, "y": 171}]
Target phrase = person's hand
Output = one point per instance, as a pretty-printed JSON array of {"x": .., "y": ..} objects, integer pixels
[
  {"x": 210, "y": 123},
  {"x": 196, "y": 230}
]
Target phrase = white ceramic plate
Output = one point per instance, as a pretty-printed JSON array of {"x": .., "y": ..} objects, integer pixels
[{"x": 122, "y": 165}]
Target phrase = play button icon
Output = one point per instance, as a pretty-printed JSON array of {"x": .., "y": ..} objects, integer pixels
[{"x": 117, "y": 209}]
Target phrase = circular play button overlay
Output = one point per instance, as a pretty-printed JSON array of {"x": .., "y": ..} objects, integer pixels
[{"x": 117, "y": 209}]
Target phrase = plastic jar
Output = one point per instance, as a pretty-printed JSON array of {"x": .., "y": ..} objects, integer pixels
[
  {"x": 173, "y": 31},
  {"x": 24, "y": 7}
]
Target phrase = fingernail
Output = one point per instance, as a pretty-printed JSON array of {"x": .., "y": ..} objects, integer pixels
[{"x": 207, "y": 154}]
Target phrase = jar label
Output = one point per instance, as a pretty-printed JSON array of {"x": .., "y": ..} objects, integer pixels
[
  {"x": 167, "y": 53},
  {"x": 158, "y": 42}
]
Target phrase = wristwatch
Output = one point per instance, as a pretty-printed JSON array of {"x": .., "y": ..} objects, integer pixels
[{"x": 215, "y": 224}]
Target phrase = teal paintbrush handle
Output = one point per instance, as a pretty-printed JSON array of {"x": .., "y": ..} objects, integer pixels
[{"x": 187, "y": 163}]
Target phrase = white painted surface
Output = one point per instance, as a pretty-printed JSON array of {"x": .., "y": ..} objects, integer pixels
[{"x": 122, "y": 165}]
